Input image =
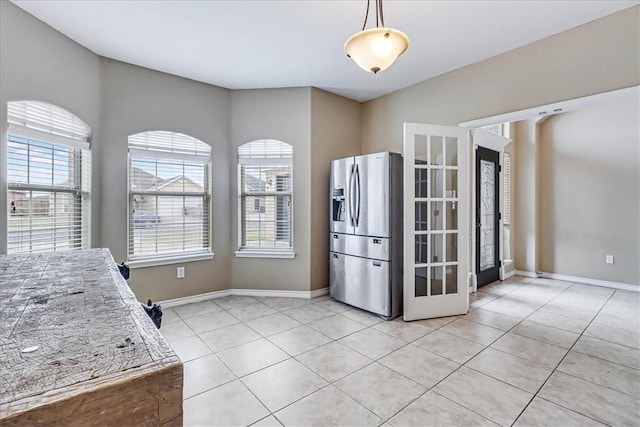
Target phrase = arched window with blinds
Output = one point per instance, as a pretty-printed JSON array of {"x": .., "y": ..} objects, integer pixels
[
  {"x": 265, "y": 178},
  {"x": 49, "y": 179},
  {"x": 169, "y": 197}
]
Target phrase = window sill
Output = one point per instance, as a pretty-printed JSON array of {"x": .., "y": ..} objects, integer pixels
[
  {"x": 167, "y": 260},
  {"x": 506, "y": 262},
  {"x": 265, "y": 254}
]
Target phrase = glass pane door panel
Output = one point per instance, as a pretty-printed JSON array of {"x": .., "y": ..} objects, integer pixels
[
  {"x": 436, "y": 150},
  {"x": 437, "y": 250},
  {"x": 421, "y": 282},
  {"x": 452, "y": 247},
  {"x": 421, "y": 180},
  {"x": 452, "y": 183},
  {"x": 437, "y": 175},
  {"x": 451, "y": 215},
  {"x": 451, "y": 145},
  {"x": 436, "y": 280},
  {"x": 421, "y": 216},
  {"x": 422, "y": 256},
  {"x": 421, "y": 150},
  {"x": 436, "y": 216},
  {"x": 452, "y": 279},
  {"x": 487, "y": 214}
]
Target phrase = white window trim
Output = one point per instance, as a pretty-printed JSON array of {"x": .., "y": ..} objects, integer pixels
[
  {"x": 169, "y": 259},
  {"x": 267, "y": 253}
]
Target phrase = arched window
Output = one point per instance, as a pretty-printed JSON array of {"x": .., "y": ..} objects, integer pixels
[
  {"x": 265, "y": 170},
  {"x": 169, "y": 197},
  {"x": 49, "y": 178}
]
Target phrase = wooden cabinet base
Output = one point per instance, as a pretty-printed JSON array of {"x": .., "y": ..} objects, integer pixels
[
  {"x": 153, "y": 398},
  {"x": 77, "y": 348}
]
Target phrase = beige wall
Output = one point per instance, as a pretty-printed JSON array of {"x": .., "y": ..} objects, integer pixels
[
  {"x": 284, "y": 115},
  {"x": 596, "y": 57},
  {"x": 40, "y": 64},
  {"x": 525, "y": 183},
  {"x": 335, "y": 133},
  {"x": 136, "y": 99},
  {"x": 590, "y": 192}
]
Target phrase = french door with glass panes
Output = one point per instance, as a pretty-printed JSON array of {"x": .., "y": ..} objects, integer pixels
[{"x": 436, "y": 221}]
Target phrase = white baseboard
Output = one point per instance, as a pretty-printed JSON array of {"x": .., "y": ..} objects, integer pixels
[
  {"x": 508, "y": 274},
  {"x": 526, "y": 274},
  {"x": 320, "y": 292},
  {"x": 242, "y": 292},
  {"x": 194, "y": 298},
  {"x": 594, "y": 282}
]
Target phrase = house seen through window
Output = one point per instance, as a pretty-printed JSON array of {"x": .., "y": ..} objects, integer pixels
[
  {"x": 265, "y": 170},
  {"x": 48, "y": 177},
  {"x": 169, "y": 195}
]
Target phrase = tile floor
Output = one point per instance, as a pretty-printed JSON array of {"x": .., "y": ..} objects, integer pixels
[{"x": 529, "y": 353}]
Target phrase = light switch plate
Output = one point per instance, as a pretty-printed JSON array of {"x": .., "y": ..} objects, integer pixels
[
  {"x": 180, "y": 273},
  {"x": 608, "y": 259}
]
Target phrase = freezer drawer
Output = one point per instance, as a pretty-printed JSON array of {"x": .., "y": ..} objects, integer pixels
[
  {"x": 361, "y": 282},
  {"x": 362, "y": 246}
]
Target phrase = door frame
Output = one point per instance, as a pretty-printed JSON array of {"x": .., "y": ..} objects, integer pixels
[{"x": 483, "y": 138}]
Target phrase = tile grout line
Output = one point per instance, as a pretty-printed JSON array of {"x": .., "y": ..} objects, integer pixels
[
  {"x": 536, "y": 394},
  {"x": 332, "y": 313}
]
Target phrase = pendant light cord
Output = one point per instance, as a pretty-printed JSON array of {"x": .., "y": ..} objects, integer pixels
[
  {"x": 379, "y": 2},
  {"x": 378, "y": 13},
  {"x": 366, "y": 15}
]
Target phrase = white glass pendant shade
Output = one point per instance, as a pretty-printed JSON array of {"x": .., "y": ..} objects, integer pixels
[{"x": 376, "y": 49}]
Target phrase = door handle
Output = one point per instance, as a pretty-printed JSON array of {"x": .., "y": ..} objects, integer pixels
[
  {"x": 358, "y": 205},
  {"x": 350, "y": 198}
]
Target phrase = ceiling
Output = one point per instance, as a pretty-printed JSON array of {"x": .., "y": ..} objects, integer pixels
[{"x": 289, "y": 43}]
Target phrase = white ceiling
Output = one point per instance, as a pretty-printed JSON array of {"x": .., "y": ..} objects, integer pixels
[{"x": 264, "y": 44}]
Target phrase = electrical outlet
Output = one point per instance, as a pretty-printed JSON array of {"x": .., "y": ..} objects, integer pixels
[
  {"x": 180, "y": 273},
  {"x": 608, "y": 259}
]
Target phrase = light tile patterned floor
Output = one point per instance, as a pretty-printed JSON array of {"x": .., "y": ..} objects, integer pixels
[{"x": 530, "y": 352}]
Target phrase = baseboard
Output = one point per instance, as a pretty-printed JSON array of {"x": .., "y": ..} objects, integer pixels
[
  {"x": 526, "y": 274},
  {"x": 508, "y": 274},
  {"x": 320, "y": 292},
  {"x": 194, "y": 298},
  {"x": 594, "y": 282},
  {"x": 242, "y": 292}
]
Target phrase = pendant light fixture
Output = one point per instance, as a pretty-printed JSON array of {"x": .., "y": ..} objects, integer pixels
[{"x": 376, "y": 49}]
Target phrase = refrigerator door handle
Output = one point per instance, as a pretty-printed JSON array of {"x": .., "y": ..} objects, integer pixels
[
  {"x": 350, "y": 196},
  {"x": 358, "y": 200}
]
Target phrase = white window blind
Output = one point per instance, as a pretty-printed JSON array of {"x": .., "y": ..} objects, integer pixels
[
  {"x": 169, "y": 195},
  {"x": 506, "y": 207},
  {"x": 49, "y": 179},
  {"x": 265, "y": 179},
  {"x": 506, "y": 182}
]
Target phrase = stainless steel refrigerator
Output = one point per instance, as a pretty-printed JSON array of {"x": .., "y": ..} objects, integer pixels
[{"x": 365, "y": 260}]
